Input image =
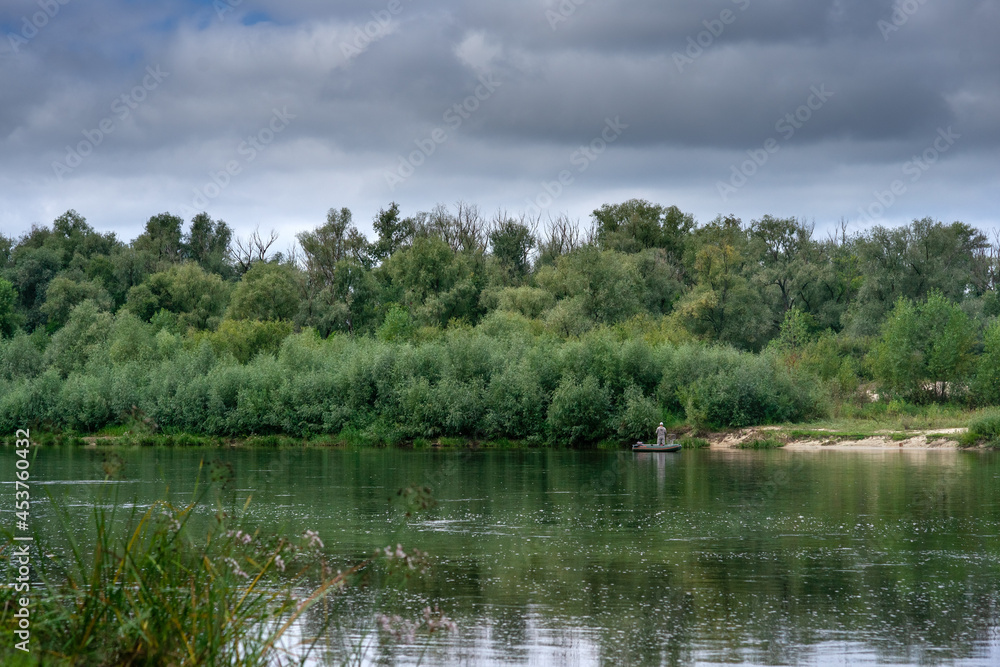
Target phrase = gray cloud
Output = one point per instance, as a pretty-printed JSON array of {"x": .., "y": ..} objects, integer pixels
[{"x": 697, "y": 83}]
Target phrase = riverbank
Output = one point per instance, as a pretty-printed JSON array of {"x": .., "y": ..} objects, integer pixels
[
  {"x": 932, "y": 427},
  {"x": 798, "y": 437},
  {"x": 802, "y": 438}
]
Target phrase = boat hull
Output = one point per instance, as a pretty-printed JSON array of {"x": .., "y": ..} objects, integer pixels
[{"x": 641, "y": 447}]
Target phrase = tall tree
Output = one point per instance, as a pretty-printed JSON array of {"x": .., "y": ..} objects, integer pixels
[
  {"x": 8, "y": 314},
  {"x": 924, "y": 350},
  {"x": 511, "y": 242},
  {"x": 638, "y": 224},
  {"x": 161, "y": 240},
  {"x": 393, "y": 233},
  {"x": 334, "y": 241},
  {"x": 207, "y": 243},
  {"x": 911, "y": 262},
  {"x": 724, "y": 305},
  {"x": 268, "y": 291}
]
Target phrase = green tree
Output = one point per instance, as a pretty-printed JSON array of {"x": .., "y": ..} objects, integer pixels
[
  {"x": 331, "y": 243},
  {"x": 434, "y": 282},
  {"x": 63, "y": 294},
  {"x": 911, "y": 262},
  {"x": 342, "y": 294},
  {"x": 924, "y": 350},
  {"x": 723, "y": 306},
  {"x": 267, "y": 291},
  {"x": 67, "y": 249},
  {"x": 8, "y": 314},
  {"x": 198, "y": 298},
  {"x": 82, "y": 338},
  {"x": 985, "y": 387},
  {"x": 579, "y": 412},
  {"x": 393, "y": 233},
  {"x": 637, "y": 224},
  {"x": 609, "y": 287},
  {"x": 511, "y": 242},
  {"x": 207, "y": 243},
  {"x": 161, "y": 241}
]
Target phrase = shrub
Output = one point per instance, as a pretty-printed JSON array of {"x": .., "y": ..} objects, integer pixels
[
  {"x": 751, "y": 391},
  {"x": 397, "y": 325},
  {"x": 579, "y": 412},
  {"x": 82, "y": 338},
  {"x": 637, "y": 417},
  {"x": 245, "y": 339},
  {"x": 688, "y": 442},
  {"x": 531, "y": 302},
  {"x": 83, "y": 402},
  {"x": 984, "y": 430},
  {"x": 19, "y": 358},
  {"x": 515, "y": 404}
]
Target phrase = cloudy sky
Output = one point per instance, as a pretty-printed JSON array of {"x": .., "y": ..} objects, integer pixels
[{"x": 269, "y": 112}]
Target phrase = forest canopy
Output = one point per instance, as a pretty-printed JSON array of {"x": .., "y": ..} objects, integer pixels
[{"x": 453, "y": 323}]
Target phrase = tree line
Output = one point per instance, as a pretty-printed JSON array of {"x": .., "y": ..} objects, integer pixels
[{"x": 905, "y": 313}]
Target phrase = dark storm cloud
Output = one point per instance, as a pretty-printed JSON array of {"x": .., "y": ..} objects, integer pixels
[{"x": 697, "y": 83}]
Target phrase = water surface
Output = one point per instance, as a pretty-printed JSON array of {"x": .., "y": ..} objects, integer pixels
[{"x": 580, "y": 558}]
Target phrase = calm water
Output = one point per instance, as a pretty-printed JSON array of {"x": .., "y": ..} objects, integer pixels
[{"x": 569, "y": 558}]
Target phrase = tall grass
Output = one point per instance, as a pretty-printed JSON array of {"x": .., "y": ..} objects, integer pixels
[{"x": 165, "y": 591}]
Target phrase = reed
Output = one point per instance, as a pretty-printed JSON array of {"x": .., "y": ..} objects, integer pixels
[{"x": 168, "y": 590}]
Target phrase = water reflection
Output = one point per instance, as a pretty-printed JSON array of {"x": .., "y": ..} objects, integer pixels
[{"x": 594, "y": 558}]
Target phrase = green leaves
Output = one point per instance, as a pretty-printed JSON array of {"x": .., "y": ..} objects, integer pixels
[{"x": 925, "y": 350}]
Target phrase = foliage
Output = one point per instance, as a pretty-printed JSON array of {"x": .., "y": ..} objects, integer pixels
[
  {"x": 207, "y": 244},
  {"x": 8, "y": 314},
  {"x": 925, "y": 350},
  {"x": 450, "y": 325},
  {"x": 511, "y": 242},
  {"x": 268, "y": 291},
  {"x": 196, "y": 297},
  {"x": 637, "y": 224},
  {"x": 760, "y": 443},
  {"x": 579, "y": 411},
  {"x": 637, "y": 415},
  {"x": 723, "y": 305},
  {"x": 245, "y": 339},
  {"x": 745, "y": 390},
  {"x": 984, "y": 430},
  {"x": 83, "y": 336},
  {"x": 157, "y": 588},
  {"x": 985, "y": 389},
  {"x": 19, "y": 358}
]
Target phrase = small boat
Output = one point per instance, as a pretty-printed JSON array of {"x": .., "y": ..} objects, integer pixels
[{"x": 669, "y": 447}]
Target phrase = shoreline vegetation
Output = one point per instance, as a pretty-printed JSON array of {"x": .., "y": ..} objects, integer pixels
[
  {"x": 854, "y": 436},
  {"x": 193, "y": 583},
  {"x": 452, "y": 330}
]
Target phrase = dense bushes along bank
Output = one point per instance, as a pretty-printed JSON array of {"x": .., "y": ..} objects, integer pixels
[
  {"x": 451, "y": 325},
  {"x": 502, "y": 379}
]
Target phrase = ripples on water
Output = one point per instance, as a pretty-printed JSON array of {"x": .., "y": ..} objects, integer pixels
[{"x": 567, "y": 558}]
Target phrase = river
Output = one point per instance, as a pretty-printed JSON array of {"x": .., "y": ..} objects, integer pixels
[{"x": 586, "y": 558}]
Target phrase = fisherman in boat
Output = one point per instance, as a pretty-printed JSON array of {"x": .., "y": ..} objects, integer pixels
[{"x": 661, "y": 435}]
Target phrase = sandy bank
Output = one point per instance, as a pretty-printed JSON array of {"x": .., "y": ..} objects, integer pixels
[{"x": 929, "y": 439}]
